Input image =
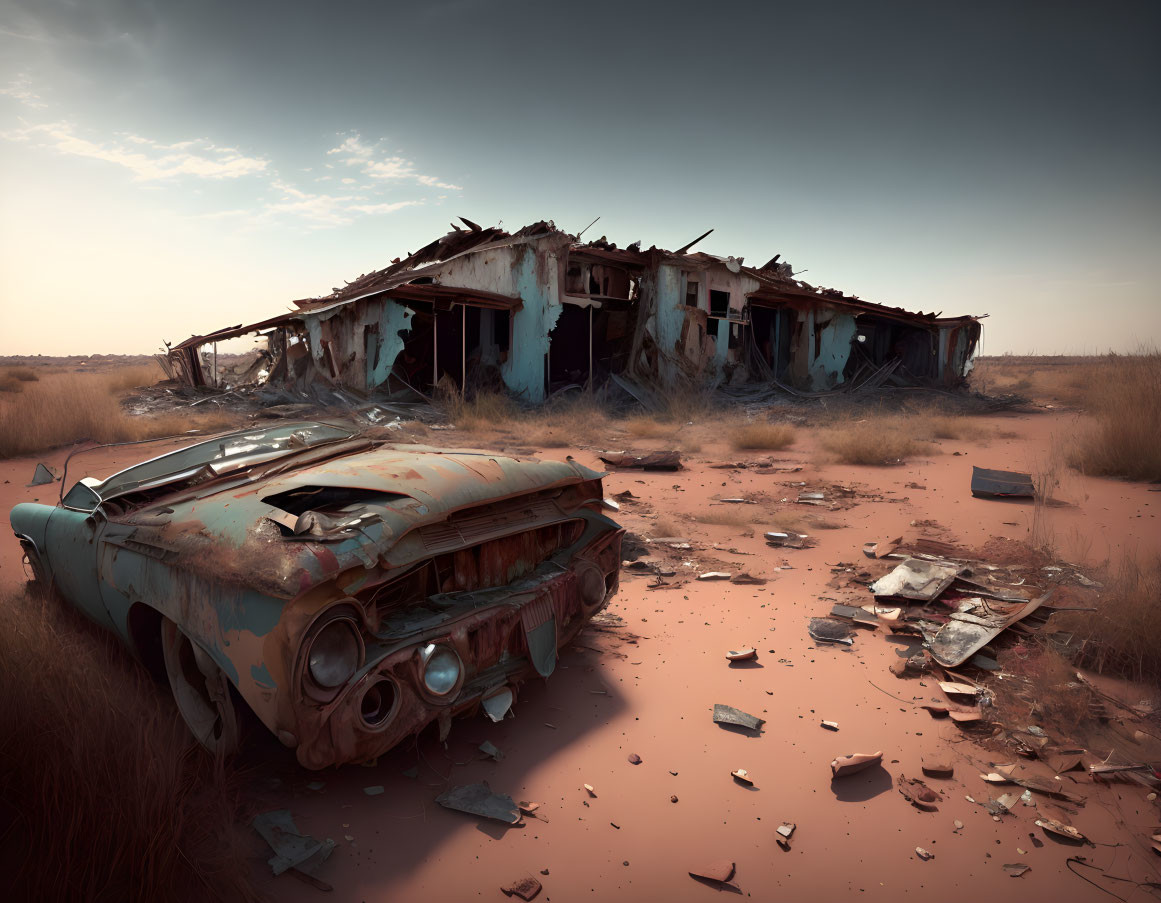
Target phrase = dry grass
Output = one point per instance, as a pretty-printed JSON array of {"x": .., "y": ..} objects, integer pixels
[
  {"x": 1120, "y": 637},
  {"x": 21, "y": 374},
  {"x": 494, "y": 416},
  {"x": 1123, "y": 396},
  {"x": 664, "y": 525},
  {"x": 109, "y": 797},
  {"x": 877, "y": 442},
  {"x": 649, "y": 428},
  {"x": 762, "y": 436},
  {"x": 738, "y": 516},
  {"x": 65, "y": 408}
]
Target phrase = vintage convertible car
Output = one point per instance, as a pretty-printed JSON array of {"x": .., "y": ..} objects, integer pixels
[{"x": 350, "y": 593}]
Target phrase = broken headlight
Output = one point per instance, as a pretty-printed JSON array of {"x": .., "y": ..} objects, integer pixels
[
  {"x": 334, "y": 654},
  {"x": 440, "y": 669}
]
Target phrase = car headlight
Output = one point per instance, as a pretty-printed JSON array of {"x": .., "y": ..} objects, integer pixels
[
  {"x": 441, "y": 669},
  {"x": 334, "y": 654}
]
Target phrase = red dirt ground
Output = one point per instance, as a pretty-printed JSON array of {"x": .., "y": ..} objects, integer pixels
[{"x": 648, "y": 687}]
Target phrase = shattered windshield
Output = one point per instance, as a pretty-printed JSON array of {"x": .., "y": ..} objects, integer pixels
[{"x": 225, "y": 452}]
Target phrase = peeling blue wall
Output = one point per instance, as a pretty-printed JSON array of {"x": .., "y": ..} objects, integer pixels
[
  {"x": 669, "y": 316},
  {"x": 523, "y": 372},
  {"x": 834, "y": 341},
  {"x": 386, "y": 346}
]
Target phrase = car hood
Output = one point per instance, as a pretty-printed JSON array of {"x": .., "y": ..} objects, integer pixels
[{"x": 233, "y": 531}]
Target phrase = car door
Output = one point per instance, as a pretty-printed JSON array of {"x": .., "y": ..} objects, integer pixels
[{"x": 73, "y": 539}]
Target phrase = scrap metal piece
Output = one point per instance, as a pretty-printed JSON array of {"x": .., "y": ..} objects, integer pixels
[
  {"x": 855, "y": 762},
  {"x": 497, "y": 704},
  {"x": 1001, "y": 484},
  {"x": 742, "y": 776},
  {"x": 42, "y": 475},
  {"x": 789, "y": 540},
  {"x": 714, "y": 575},
  {"x": 720, "y": 872},
  {"x": 292, "y": 849},
  {"x": 1016, "y": 869},
  {"x": 916, "y": 579},
  {"x": 661, "y": 460},
  {"x": 1060, "y": 829},
  {"x": 727, "y": 714},
  {"x": 965, "y": 634},
  {"x": 478, "y": 799},
  {"x": 525, "y": 888},
  {"x": 851, "y": 613},
  {"x": 742, "y": 655},
  {"x": 918, "y": 794},
  {"x": 827, "y": 630}
]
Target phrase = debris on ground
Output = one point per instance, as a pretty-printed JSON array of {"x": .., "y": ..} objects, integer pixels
[
  {"x": 42, "y": 476},
  {"x": 828, "y": 630},
  {"x": 855, "y": 762},
  {"x": 489, "y": 749},
  {"x": 787, "y": 540},
  {"x": 919, "y": 794},
  {"x": 1001, "y": 484},
  {"x": 1016, "y": 869},
  {"x": 727, "y": 714},
  {"x": 1060, "y": 829},
  {"x": 478, "y": 799},
  {"x": 924, "y": 854},
  {"x": 292, "y": 849},
  {"x": 714, "y": 575},
  {"x": 784, "y": 831},
  {"x": 742, "y": 776},
  {"x": 525, "y": 888},
  {"x": 661, "y": 460},
  {"x": 745, "y": 579},
  {"x": 830, "y": 725},
  {"x": 634, "y": 759},
  {"x": 590, "y": 790},
  {"x": 742, "y": 655},
  {"x": 719, "y": 872},
  {"x": 936, "y": 766}
]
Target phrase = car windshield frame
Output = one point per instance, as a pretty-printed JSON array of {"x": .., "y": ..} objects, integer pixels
[{"x": 222, "y": 454}]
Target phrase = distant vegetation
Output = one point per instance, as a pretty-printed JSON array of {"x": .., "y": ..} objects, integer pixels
[{"x": 60, "y": 407}]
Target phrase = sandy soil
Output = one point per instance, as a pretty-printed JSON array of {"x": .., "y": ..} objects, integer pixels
[{"x": 647, "y": 686}]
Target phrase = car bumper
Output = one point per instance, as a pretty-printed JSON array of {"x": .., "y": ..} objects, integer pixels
[{"x": 513, "y": 635}]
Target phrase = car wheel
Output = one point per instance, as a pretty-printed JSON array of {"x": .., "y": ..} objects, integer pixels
[{"x": 200, "y": 689}]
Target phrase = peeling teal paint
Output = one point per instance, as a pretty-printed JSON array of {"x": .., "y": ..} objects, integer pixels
[
  {"x": 669, "y": 317},
  {"x": 833, "y": 340},
  {"x": 523, "y": 372},
  {"x": 383, "y": 348},
  {"x": 262, "y": 677}
]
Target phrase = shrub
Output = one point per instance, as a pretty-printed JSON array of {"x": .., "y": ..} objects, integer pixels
[
  {"x": 1124, "y": 399},
  {"x": 23, "y": 374},
  {"x": 874, "y": 443},
  {"x": 71, "y": 407},
  {"x": 762, "y": 436}
]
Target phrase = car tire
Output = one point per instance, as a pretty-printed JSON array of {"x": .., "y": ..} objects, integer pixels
[{"x": 200, "y": 689}]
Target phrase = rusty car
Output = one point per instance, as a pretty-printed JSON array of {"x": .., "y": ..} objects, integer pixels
[{"x": 347, "y": 591}]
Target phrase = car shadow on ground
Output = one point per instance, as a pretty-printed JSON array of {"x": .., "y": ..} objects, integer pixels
[{"x": 385, "y": 836}]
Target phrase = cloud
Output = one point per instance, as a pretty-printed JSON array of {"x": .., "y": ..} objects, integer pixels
[
  {"x": 20, "y": 88},
  {"x": 153, "y": 164},
  {"x": 146, "y": 159},
  {"x": 367, "y": 159},
  {"x": 321, "y": 210}
]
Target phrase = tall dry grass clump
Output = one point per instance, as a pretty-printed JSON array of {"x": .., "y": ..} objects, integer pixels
[
  {"x": 877, "y": 442},
  {"x": 1120, "y": 637},
  {"x": 1123, "y": 397},
  {"x": 103, "y": 793},
  {"x": 762, "y": 437},
  {"x": 64, "y": 408}
]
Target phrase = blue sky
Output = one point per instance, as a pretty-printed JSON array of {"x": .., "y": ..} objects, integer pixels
[{"x": 168, "y": 168}]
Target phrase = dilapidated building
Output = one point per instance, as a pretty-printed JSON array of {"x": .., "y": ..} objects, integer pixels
[{"x": 536, "y": 310}]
